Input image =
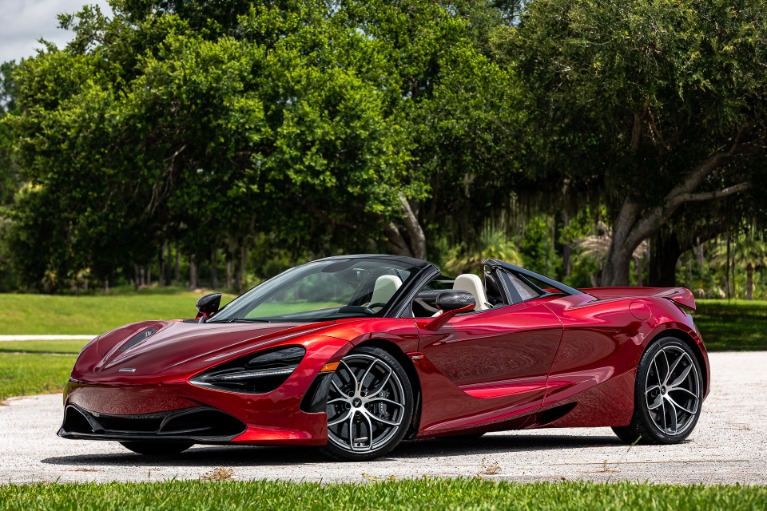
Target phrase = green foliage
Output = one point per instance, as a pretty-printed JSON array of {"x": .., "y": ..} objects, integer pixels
[
  {"x": 646, "y": 104},
  {"x": 469, "y": 494},
  {"x": 537, "y": 246},
  {"x": 492, "y": 244},
  {"x": 210, "y": 124}
]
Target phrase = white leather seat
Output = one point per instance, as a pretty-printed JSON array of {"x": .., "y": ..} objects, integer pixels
[
  {"x": 384, "y": 289},
  {"x": 473, "y": 284}
]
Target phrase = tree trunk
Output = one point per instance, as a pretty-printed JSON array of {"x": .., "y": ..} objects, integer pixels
[
  {"x": 727, "y": 280},
  {"x": 229, "y": 272},
  {"x": 214, "y": 269},
  {"x": 106, "y": 285},
  {"x": 192, "y": 272},
  {"x": 410, "y": 241},
  {"x": 168, "y": 259},
  {"x": 749, "y": 281},
  {"x": 160, "y": 265},
  {"x": 618, "y": 261},
  {"x": 635, "y": 224},
  {"x": 241, "y": 268},
  {"x": 616, "y": 269},
  {"x": 665, "y": 250},
  {"x": 178, "y": 266},
  {"x": 732, "y": 278},
  {"x": 566, "y": 264}
]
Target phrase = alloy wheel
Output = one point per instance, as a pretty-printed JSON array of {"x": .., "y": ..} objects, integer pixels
[
  {"x": 366, "y": 404},
  {"x": 672, "y": 390}
]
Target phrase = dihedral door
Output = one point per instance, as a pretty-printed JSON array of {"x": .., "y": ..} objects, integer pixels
[{"x": 503, "y": 352}]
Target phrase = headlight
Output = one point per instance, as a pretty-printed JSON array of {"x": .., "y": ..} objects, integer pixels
[{"x": 255, "y": 373}]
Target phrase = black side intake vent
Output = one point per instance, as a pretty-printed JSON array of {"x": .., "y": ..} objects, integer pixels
[{"x": 75, "y": 421}]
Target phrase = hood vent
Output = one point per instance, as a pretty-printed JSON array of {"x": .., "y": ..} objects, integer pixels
[{"x": 141, "y": 336}]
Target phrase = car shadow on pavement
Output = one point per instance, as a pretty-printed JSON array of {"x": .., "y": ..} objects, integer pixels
[
  {"x": 489, "y": 444},
  {"x": 233, "y": 456}
]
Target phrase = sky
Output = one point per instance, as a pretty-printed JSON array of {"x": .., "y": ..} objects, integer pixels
[{"x": 23, "y": 22}]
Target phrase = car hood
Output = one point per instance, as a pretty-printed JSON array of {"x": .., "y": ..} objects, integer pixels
[{"x": 176, "y": 349}]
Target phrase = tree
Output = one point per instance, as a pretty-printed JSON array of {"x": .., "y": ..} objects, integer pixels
[
  {"x": 657, "y": 105},
  {"x": 207, "y": 124}
]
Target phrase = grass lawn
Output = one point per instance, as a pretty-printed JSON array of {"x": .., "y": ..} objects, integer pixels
[
  {"x": 28, "y": 373},
  {"x": 416, "y": 494},
  {"x": 739, "y": 325},
  {"x": 93, "y": 314},
  {"x": 57, "y": 347}
]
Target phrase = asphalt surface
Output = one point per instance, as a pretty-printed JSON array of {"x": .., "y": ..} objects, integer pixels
[{"x": 729, "y": 445}]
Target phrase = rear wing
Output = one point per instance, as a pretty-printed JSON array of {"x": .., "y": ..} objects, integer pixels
[{"x": 680, "y": 295}]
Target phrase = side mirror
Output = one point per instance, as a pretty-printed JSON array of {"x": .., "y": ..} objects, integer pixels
[
  {"x": 454, "y": 300},
  {"x": 207, "y": 306},
  {"x": 451, "y": 303}
]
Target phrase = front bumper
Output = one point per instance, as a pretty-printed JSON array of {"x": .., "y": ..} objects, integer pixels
[
  {"x": 121, "y": 407},
  {"x": 147, "y": 412}
]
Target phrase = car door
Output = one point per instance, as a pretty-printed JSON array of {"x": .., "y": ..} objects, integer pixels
[{"x": 502, "y": 352}]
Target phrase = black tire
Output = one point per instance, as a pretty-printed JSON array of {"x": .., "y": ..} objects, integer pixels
[
  {"x": 356, "y": 408},
  {"x": 157, "y": 448},
  {"x": 665, "y": 412}
]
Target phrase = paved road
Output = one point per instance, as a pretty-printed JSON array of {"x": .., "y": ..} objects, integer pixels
[{"x": 729, "y": 445}]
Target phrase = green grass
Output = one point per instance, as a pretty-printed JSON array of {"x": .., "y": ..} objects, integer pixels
[
  {"x": 467, "y": 494},
  {"x": 28, "y": 374},
  {"x": 738, "y": 325},
  {"x": 59, "y": 347},
  {"x": 92, "y": 314}
]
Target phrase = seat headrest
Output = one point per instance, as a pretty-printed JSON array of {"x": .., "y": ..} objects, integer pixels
[
  {"x": 385, "y": 287},
  {"x": 473, "y": 284}
]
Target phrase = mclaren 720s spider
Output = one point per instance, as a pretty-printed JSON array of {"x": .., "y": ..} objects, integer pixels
[{"x": 356, "y": 353}]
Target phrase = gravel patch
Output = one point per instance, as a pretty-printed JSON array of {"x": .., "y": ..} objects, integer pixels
[{"x": 729, "y": 445}]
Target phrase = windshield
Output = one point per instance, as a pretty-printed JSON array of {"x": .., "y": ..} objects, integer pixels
[{"x": 323, "y": 290}]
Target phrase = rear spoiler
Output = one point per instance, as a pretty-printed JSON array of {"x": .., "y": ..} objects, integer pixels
[{"x": 680, "y": 295}]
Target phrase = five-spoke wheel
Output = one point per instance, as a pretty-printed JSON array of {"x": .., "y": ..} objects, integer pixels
[
  {"x": 667, "y": 399},
  {"x": 370, "y": 405}
]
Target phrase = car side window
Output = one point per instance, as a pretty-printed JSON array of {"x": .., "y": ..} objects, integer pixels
[{"x": 520, "y": 290}]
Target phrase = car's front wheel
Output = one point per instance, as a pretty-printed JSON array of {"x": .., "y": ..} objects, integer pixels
[
  {"x": 157, "y": 448},
  {"x": 668, "y": 395},
  {"x": 370, "y": 405}
]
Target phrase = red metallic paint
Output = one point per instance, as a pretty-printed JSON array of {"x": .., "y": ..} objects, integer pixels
[{"x": 482, "y": 371}]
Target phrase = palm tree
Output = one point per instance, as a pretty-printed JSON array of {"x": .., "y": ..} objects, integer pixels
[
  {"x": 749, "y": 251},
  {"x": 493, "y": 244}
]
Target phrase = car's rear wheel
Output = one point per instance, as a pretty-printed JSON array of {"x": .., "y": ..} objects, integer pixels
[
  {"x": 370, "y": 405},
  {"x": 157, "y": 448},
  {"x": 667, "y": 396}
]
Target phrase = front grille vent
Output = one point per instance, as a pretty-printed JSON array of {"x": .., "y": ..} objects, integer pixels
[{"x": 197, "y": 423}]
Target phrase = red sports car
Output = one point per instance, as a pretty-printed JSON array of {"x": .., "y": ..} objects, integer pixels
[{"x": 356, "y": 353}]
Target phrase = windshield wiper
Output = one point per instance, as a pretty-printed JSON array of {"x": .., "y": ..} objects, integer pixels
[{"x": 248, "y": 320}]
